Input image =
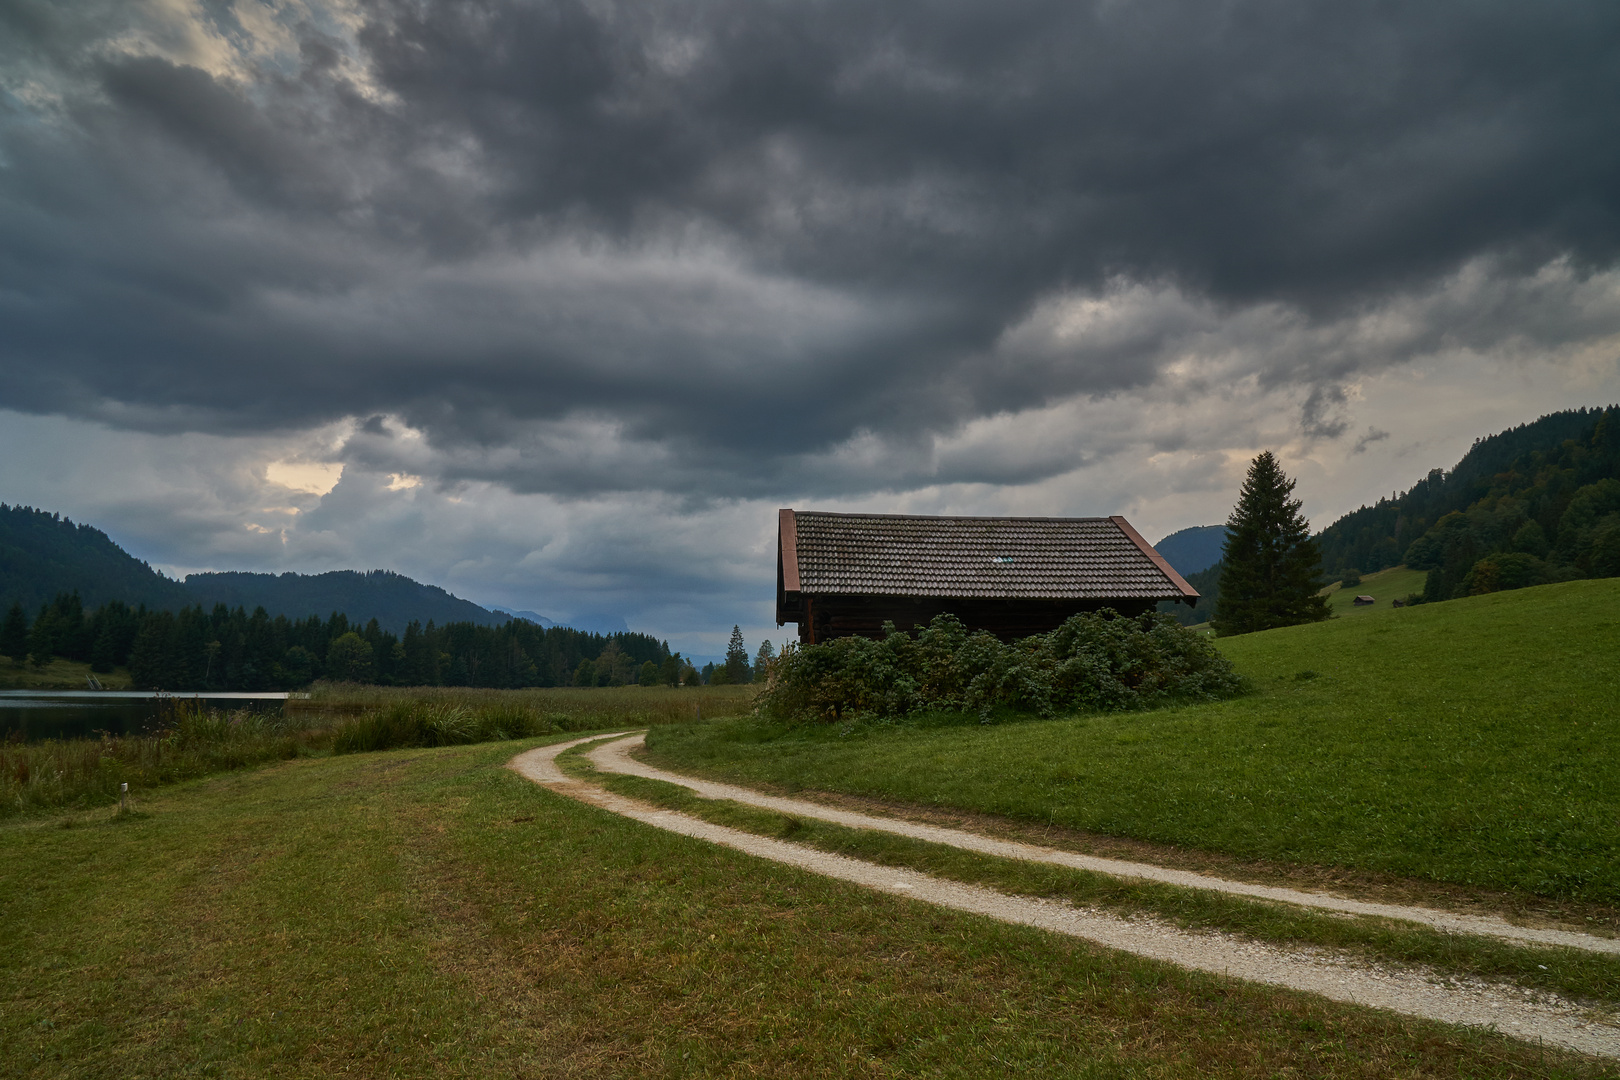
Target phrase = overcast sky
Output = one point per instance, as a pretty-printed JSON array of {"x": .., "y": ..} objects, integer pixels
[{"x": 554, "y": 304}]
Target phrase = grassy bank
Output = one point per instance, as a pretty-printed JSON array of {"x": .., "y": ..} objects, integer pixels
[
  {"x": 79, "y": 774},
  {"x": 428, "y": 913},
  {"x": 1471, "y": 742},
  {"x": 196, "y": 741},
  {"x": 635, "y": 706},
  {"x": 59, "y": 674}
]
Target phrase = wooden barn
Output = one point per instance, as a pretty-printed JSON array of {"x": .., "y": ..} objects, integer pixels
[{"x": 845, "y": 574}]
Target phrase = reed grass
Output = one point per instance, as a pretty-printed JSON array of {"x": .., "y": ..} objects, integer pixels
[
  {"x": 586, "y": 708},
  {"x": 343, "y": 718},
  {"x": 191, "y": 741}
]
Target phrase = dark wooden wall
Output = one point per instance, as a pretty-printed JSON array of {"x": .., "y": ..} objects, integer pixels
[{"x": 847, "y": 616}]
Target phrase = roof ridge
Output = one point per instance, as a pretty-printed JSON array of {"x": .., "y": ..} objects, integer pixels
[{"x": 939, "y": 517}]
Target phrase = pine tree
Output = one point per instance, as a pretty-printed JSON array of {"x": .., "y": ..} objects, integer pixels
[
  {"x": 42, "y": 638},
  {"x": 764, "y": 659},
  {"x": 14, "y": 634},
  {"x": 737, "y": 670},
  {"x": 1271, "y": 563}
]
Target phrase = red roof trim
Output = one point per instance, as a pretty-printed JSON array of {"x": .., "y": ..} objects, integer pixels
[
  {"x": 787, "y": 545},
  {"x": 1158, "y": 560}
]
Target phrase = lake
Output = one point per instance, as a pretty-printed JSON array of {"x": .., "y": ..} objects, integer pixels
[{"x": 82, "y": 714}]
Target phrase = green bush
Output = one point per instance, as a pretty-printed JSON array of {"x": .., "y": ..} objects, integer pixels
[
  {"x": 438, "y": 723},
  {"x": 1094, "y": 662}
]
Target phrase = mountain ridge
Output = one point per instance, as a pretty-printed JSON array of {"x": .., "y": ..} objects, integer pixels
[
  {"x": 393, "y": 599},
  {"x": 43, "y": 554},
  {"x": 1193, "y": 549}
]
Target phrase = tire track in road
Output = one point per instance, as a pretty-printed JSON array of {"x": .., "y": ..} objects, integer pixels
[
  {"x": 615, "y": 758},
  {"x": 1510, "y": 1010}
]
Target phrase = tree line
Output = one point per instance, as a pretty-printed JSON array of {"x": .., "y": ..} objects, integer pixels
[{"x": 229, "y": 649}]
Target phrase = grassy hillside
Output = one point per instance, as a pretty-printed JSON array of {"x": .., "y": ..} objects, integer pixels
[
  {"x": 427, "y": 913},
  {"x": 1396, "y": 583},
  {"x": 1470, "y": 742}
]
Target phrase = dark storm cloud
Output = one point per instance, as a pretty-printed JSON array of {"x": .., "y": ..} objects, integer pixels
[{"x": 700, "y": 246}]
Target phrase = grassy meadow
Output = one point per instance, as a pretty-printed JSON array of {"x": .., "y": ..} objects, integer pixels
[
  {"x": 426, "y": 912},
  {"x": 1396, "y": 583},
  {"x": 1472, "y": 743}
]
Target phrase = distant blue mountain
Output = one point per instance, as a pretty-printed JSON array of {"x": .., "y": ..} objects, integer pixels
[
  {"x": 590, "y": 622},
  {"x": 1194, "y": 549},
  {"x": 534, "y": 617},
  {"x": 596, "y": 622}
]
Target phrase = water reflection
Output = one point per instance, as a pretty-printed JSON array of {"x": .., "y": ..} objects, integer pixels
[{"x": 31, "y": 715}]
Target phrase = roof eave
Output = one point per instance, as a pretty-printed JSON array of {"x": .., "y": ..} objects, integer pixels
[{"x": 1188, "y": 593}]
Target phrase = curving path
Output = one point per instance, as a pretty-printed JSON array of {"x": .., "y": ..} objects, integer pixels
[
  {"x": 615, "y": 758},
  {"x": 1508, "y": 1009}
]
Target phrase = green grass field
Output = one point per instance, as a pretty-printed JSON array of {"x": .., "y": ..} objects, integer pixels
[
  {"x": 427, "y": 913},
  {"x": 1472, "y": 742},
  {"x": 1396, "y": 583}
]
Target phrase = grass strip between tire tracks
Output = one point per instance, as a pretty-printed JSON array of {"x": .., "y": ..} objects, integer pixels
[{"x": 1571, "y": 973}]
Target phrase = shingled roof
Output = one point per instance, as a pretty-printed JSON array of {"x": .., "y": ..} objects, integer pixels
[{"x": 979, "y": 557}]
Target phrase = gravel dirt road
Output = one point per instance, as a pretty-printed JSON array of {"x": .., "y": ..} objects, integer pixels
[{"x": 1511, "y": 1010}]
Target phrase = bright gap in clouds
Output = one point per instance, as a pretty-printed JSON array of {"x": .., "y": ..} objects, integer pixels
[{"x": 313, "y": 477}]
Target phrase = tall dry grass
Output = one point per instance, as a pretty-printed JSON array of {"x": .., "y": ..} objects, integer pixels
[
  {"x": 570, "y": 708},
  {"x": 343, "y": 718},
  {"x": 191, "y": 741}
]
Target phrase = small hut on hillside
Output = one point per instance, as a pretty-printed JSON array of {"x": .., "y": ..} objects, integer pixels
[{"x": 845, "y": 574}]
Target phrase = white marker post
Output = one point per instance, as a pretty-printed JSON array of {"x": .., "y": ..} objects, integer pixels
[{"x": 123, "y": 797}]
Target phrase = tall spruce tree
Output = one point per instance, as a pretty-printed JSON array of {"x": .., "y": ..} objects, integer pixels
[
  {"x": 737, "y": 669},
  {"x": 42, "y": 637},
  {"x": 1271, "y": 563}
]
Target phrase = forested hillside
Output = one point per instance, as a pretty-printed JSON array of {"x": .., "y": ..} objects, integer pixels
[
  {"x": 1533, "y": 504},
  {"x": 42, "y": 554},
  {"x": 1194, "y": 549},
  {"x": 1208, "y": 583},
  {"x": 229, "y": 649},
  {"x": 392, "y": 599},
  {"x": 1537, "y": 503}
]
